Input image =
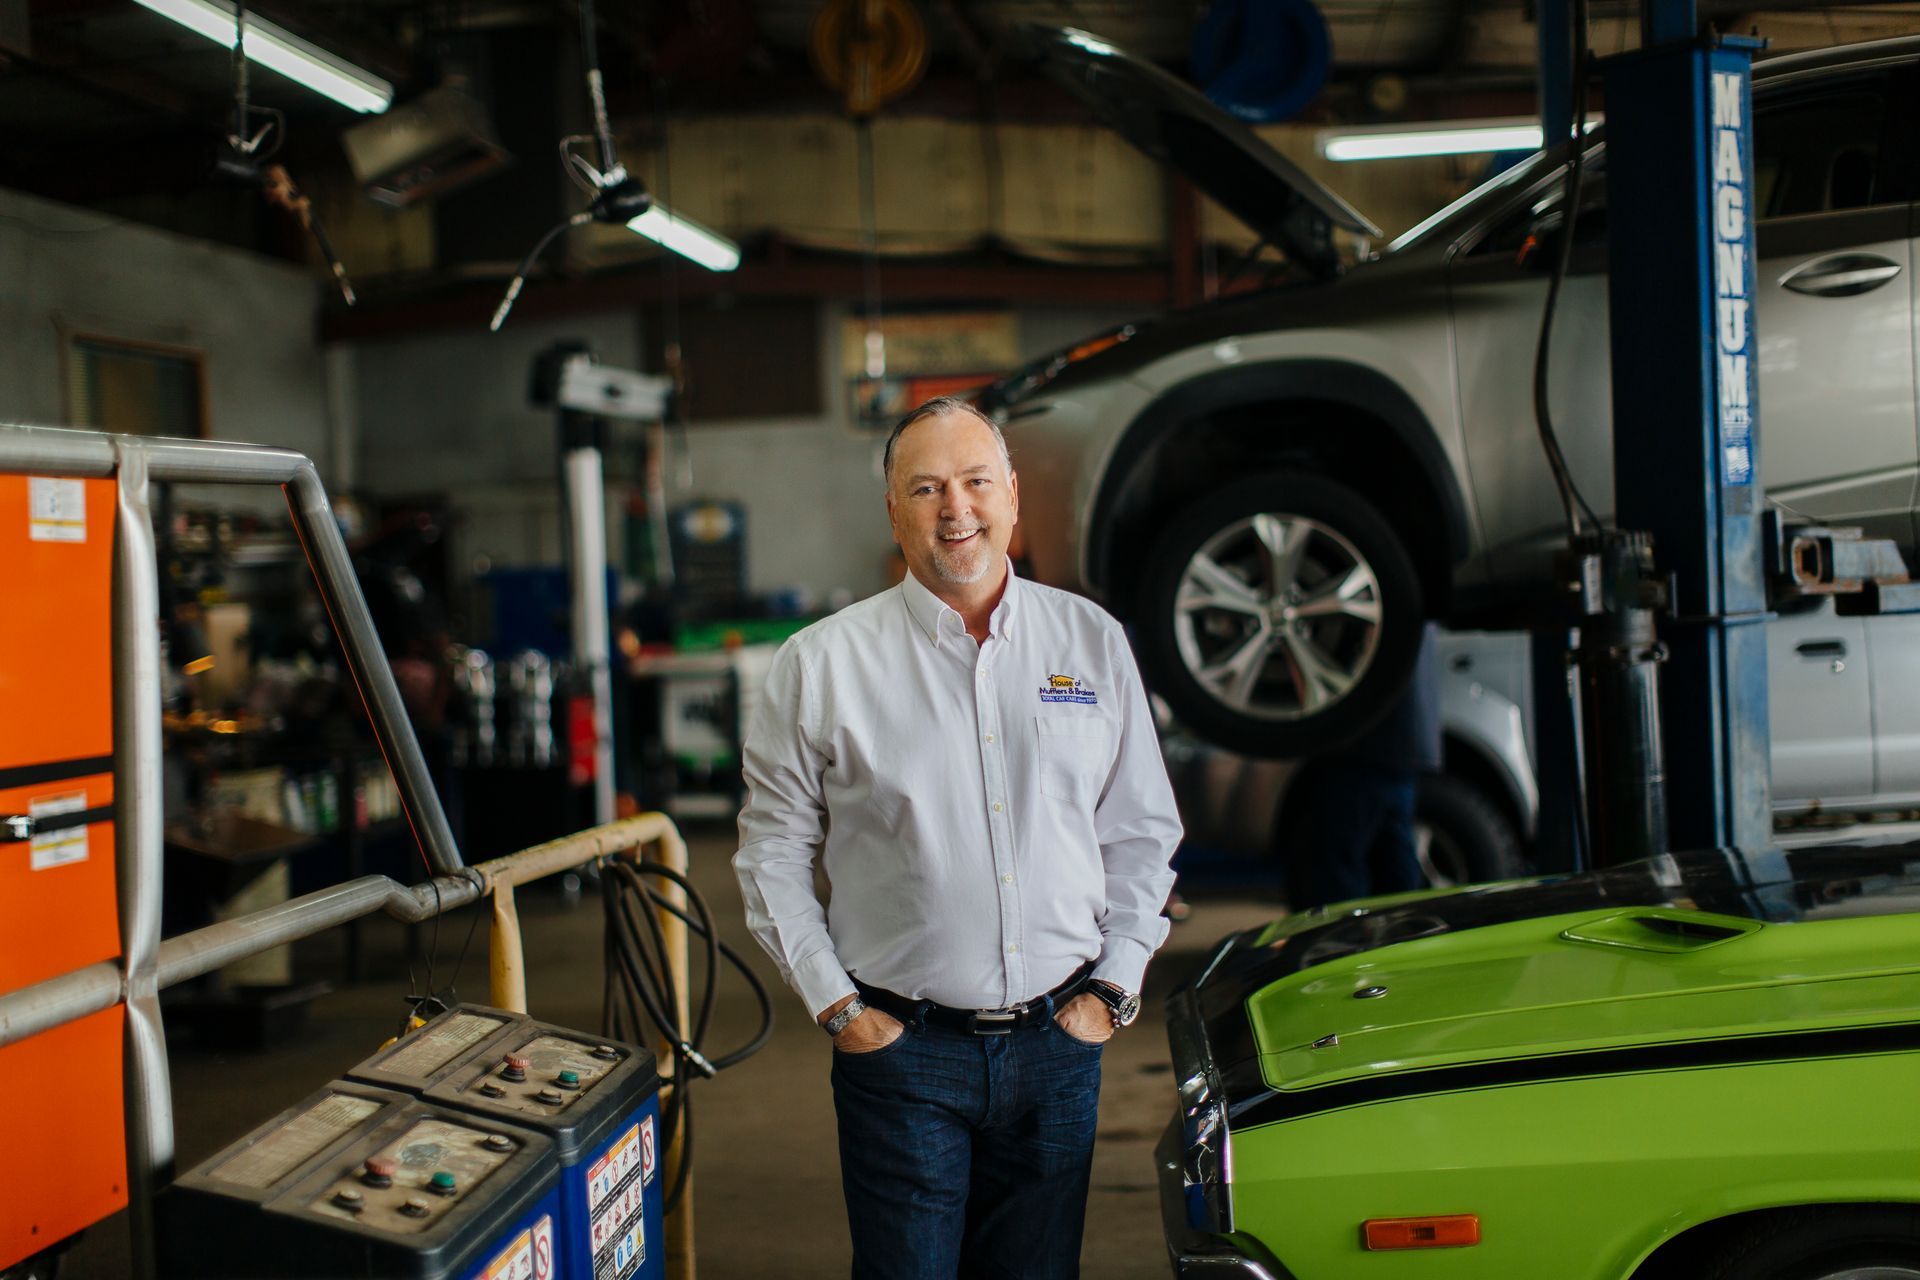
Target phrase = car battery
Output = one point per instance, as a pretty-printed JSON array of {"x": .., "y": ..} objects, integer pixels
[
  {"x": 363, "y": 1182},
  {"x": 598, "y": 1101}
]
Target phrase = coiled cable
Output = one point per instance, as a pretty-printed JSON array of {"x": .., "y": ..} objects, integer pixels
[{"x": 639, "y": 997}]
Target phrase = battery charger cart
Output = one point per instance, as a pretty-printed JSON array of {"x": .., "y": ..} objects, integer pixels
[{"x": 482, "y": 1145}]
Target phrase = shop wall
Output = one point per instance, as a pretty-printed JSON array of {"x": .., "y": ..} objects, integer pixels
[
  {"x": 65, "y": 270},
  {"x": 447, "y": 414}
]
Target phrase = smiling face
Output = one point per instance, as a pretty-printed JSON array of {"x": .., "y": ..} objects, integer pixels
[{"x": 952, "y": 502}]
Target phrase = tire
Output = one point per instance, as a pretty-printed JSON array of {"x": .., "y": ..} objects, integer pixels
[
  {"x": 1868, "y": 1243},
  {"x": 1464, "y": 836},
  {"x": 1230, "y": 664}
]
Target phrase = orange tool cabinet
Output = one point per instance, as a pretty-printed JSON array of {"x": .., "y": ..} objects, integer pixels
[{"x": 58, "y": 900}]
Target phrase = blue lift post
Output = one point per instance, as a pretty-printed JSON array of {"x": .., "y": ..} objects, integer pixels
[{"x": 1679, "y": 173}]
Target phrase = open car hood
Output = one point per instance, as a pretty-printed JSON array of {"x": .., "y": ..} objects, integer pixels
[{"x": 1175, "y": 124}]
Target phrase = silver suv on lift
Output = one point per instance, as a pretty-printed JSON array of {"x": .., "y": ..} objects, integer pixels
[{"x": 1276, "y": 489}]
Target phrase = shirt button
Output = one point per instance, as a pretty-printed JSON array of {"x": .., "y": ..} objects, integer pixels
[
  {"x": 1012, "y": 947},
  {"x": 1006, "y": 879},
  {"x": 996, "y": 806},
  {"x": 989, "y": 737}
]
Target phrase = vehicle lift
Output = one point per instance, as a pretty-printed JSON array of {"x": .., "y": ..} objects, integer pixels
[
  {"x": 585, "y": 394},
  {"x": 1687, "y": 765}
]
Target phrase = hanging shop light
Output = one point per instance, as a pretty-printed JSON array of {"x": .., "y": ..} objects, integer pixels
[
  {"x": 678, "y": 232},
  {"x": 280, "y": 50},
  {"x": 1463, "y": 138},
  {"x": 616, "y": 195}
]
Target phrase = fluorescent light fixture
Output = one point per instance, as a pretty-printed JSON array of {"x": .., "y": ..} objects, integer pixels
[
  {"x": 1091, "y": 45},
  {"x": 1463, "y": 138},
  {"x": 280, "y": 50},
  {"x": 678, "y": 232}
]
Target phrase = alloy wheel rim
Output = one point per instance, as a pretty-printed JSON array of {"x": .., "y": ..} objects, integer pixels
[
  {"x": 1441, "y": 859},
  {"x": 1277, "y": 616}
]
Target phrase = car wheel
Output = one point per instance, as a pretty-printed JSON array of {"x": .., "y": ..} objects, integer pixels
[
  {"x": 1462, "y": 836},
  {"x": 1880, "y": 1243},
  {"x": 1280, "y": 616}
]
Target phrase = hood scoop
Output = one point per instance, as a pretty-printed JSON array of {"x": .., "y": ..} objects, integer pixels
[{"x": 1665, "y": 930}]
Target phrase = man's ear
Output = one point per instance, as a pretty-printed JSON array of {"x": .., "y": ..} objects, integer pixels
[{"x": 1013, "y": 491}]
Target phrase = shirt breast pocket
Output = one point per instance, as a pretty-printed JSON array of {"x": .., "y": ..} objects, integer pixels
[{"x": 1074, "y": 753}]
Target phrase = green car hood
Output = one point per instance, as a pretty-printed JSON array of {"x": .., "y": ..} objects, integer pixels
[{"x": 1681, "y": 959}]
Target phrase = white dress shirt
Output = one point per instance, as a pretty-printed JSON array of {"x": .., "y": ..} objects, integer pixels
[{"x": 989, "y": 816}]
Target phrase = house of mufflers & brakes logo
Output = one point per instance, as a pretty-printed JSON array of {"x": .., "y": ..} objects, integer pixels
[{"x": 1066, "y": 689}]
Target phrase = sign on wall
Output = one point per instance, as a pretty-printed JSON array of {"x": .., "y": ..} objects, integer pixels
[{"x": 916, "y": 356}]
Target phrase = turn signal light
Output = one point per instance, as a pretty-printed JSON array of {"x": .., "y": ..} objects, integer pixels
[{"x": 1449, "y": 1231}]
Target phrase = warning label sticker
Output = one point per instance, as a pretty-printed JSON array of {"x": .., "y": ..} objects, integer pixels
[
  {"x": 616, "y": 1198},
  {"x": 56, "y": 509},
  {"x": 58, "y": 848},
  {"x": 529, "y": 1256}
]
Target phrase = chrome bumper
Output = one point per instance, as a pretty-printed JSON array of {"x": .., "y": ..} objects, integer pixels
[
  {"x": 1196, "y": 1256},
  {"x": 1193, "y": 1162}
]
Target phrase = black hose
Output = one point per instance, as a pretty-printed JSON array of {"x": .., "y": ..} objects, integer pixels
[
  {"x": 1571, "y": 499},
  {"x": 526, "y": 265},
  {"x": 639, "y": 996},
  {"x": 596, "y": 88}
]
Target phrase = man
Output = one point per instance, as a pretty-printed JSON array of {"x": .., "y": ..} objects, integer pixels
[{"x": 971, "y": 759}]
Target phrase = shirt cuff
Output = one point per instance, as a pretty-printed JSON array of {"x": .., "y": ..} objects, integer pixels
[
  {"x": 820, "y": 980},
  {"x": 1123, "y": 962}
]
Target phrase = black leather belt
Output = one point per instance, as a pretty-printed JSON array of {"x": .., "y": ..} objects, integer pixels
[{"x": 1036, "y": 1012}]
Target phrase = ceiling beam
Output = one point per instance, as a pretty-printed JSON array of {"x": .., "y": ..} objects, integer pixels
[
  {"x": 59, "y": 55},
  {"x": 469, "y": 306}
]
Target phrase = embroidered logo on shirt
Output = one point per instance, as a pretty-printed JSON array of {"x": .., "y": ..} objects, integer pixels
[{"x": 1066, "y": 689}]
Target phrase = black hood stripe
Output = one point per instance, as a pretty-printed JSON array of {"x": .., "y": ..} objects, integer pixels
[{"x": 1271, "y": 1106}]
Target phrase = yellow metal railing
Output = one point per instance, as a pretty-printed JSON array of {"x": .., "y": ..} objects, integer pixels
[{"x": 506, "y": 959}]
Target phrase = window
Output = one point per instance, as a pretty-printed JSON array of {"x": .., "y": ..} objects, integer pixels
[
  {"x": 135, "y": 388},
  {"x": 1822, "y": 149},
  {"x": 1541, "y": 213}
]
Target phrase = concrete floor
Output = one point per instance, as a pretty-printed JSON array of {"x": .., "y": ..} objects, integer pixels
[{"x": 767, "y": 1197}]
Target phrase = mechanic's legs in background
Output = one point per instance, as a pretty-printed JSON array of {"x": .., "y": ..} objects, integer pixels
[{"x": 1355, "y": 838}]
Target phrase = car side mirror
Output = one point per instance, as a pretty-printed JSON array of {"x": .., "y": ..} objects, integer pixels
[{"x": 1541, "y": 248}]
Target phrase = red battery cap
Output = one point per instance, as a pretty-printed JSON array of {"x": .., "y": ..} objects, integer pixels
[
  {"x": 518, "y": 1062},
  {"x": 382, "y": 1166}
]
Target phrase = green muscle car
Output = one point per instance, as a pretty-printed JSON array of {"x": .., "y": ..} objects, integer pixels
[{"x": 1702, "y": 1065}]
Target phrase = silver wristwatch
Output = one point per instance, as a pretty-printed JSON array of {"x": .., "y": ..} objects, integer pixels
[
  {"x": 842, "y": 1020},
  {"x": 1124, "y": 1005}
]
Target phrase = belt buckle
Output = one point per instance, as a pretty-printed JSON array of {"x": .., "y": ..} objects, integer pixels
[{"x": 994, "y": 1022}]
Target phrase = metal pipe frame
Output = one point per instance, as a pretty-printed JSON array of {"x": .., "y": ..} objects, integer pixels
[
  {"x": 138, "y": 791},
  {"x": 147, "y": 963},
  {"x": 53, "y": 451}
]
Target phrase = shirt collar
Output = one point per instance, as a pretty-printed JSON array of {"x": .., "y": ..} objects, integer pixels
[{"x": 932, "y": 613}]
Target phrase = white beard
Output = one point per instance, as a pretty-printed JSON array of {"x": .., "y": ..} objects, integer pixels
[{"x": 964, "y": 566}]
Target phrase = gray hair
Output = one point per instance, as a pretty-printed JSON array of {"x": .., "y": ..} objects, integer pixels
[{"x": 933, "y": 409}]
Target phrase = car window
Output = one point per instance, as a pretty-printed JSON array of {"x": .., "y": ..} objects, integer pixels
[
  {"x": 1817, "y": 148},
  {"x": 1822, "y": 149},
  {"x": 1542, "y": 211},
  {"x": 1486, "y": 193}
]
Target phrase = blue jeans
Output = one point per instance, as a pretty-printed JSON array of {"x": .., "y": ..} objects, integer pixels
[{"x": 967, "y": 1156}]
